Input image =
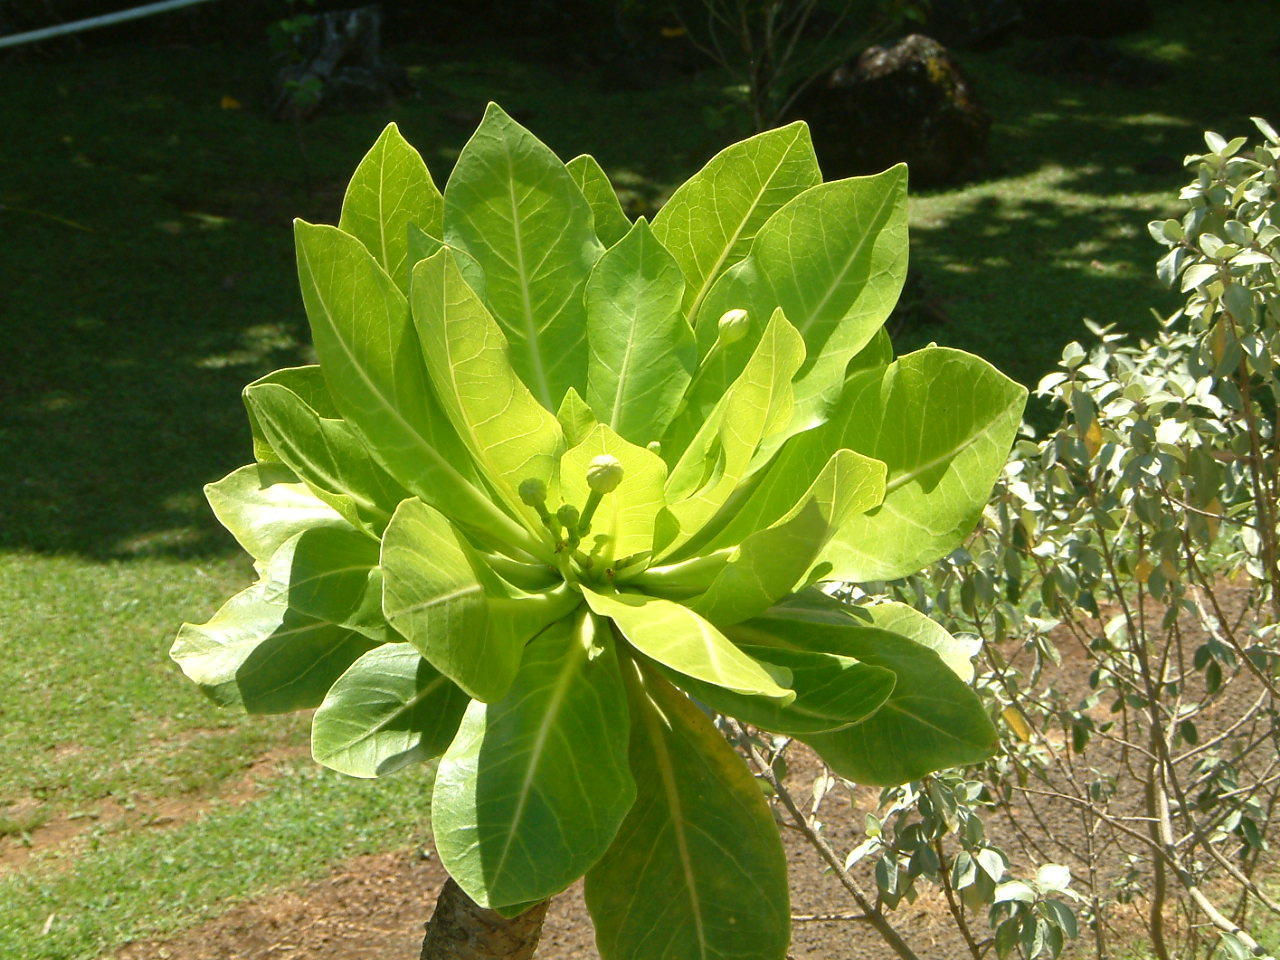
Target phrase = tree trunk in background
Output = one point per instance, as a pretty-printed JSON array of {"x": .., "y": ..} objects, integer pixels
[{"x": 462, "y": 930}]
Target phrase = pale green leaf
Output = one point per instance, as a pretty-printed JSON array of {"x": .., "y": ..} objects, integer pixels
[
  {"x": 512, "y": 205},
  {"x": 459, "y": 615},
  {"x": 930, "y": 721},
  {"x": 758, "y": 404},
  {"x": 373, "y": 364},
  {"x": 260, "y": 655},
  {"x": 423, "y": 245},
  {"x": 678, "y": 638},
  {"x": 832, "y": 692},
  {"x": 508, "y": 432},
  {"x": 627, "y": 516},
  {"x": 390, "y": 709},
  {"x": 308, "y": 383},
  {"x": 641, "y": 350},
  {"x": 331, "y": 574},
  {"x": 710, "y": 221},
  {"x": 533, "y": 788},
  {"x": 697, "y": 869},
  {"x": 834, "y": 259},
  {"x": 264, "y": 504},
  {"x": 390, "y": 190},
  {"x": 610, "y": 221},
  {"x": 770, "y": 563},
  {"x": 327, "y": 455}
]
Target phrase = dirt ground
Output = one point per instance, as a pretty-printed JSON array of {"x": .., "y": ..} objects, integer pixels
[{"x": 374, "y": 907}]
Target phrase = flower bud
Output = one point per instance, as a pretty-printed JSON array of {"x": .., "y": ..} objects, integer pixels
[
  {"x": 568, "y": 515},
  {"x": 533, "y": 492},
  {"x": 733, "y": 326},
  {"x": 604, "y": 474},
  {"x": 654, "y": 446}
]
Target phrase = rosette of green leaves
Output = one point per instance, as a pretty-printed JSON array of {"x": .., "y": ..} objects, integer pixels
[{"x": 538, "y": 511}]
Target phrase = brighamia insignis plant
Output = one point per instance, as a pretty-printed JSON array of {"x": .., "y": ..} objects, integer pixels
[{"x": 562, "y": 483}]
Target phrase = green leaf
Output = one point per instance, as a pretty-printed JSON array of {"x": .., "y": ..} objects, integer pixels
[
  {"x": 373, "y": 365},
  {"x": 327, "y": 455},
  {"x": 710, "y": 221},
  {"x": 832, "y": 692},
  {"x": 258, "y": 654},
  {"x": 575, "y": 418},
  {"x": 931, "y": 720},
  {"x": 423, "y": 245},
  {"x": 468, "y": 624},
  {"x": 533, "y": 788},
  {"x": 757, "y": 405},
  {"x": 641, "y": 348},
  {"x": 942, "y": 421},
  {"x": 626, "y": 516},
  {"x": 331, "y": 574},
  {"x": 610, "y": 221},
  {"x": 390, "y": 190},
  {"x": 308, "y": 383},
  {"x": 512, "y": 205},
  {"x": 771, "y": 562},
  {"x": 508, "y": 432},
  {"x": 678, "y": 638},
  {"x": 697, "y": 869},
  {"x": 834, "y": 259},
  {"x": 390, "y": 709},
  {"x": 264, "y": 504}
]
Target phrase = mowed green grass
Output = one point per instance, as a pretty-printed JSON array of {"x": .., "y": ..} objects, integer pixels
[{"x": 146, "y": 275}]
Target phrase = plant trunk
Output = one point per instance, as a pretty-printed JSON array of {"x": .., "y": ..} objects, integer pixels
[{"x": 460, "y": 929}]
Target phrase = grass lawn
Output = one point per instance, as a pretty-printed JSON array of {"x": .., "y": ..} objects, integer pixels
[{"x": 146, "y": 275}]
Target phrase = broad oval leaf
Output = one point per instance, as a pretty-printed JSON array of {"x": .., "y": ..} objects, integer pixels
[
  {"x": 390, "y": 190},
  {"x": 512, "y": 205},
  {"x": 678, "y": 638},
  {"x": 258, "y": 654},
  {"x": 327, "y": 455},
  {"x": 610, "y": 221},
  {"x": 930, "y": 721},
  {"x": 834, "y": 259},
  {"x": 533, "y": 788},
  {"x": 770, "y": 563},
  {"x": 389, "y": 709},
  {"x": 331, "y": 574},
  {"x": 373, "y": 365},
  {"x": 307, "y": 382},
  {"x": 697, "y": 869},
  {"x": 458, "y": 613},
  {"x": 512, "y": 436},
  {"x": 832, "y": 692},
  {"x": 641, "y": 350},
  {"x": 711, "y": 219},
  {"x": 264, "y": 504}
]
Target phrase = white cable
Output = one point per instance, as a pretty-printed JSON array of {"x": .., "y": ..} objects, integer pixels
[{"x": 90, "y": 23}]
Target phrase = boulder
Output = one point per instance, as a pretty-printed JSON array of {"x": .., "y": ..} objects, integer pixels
[{"x": 906, "y": 102}]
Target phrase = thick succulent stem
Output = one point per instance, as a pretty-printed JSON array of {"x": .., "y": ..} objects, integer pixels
[{"x": 460, "y": 929}]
